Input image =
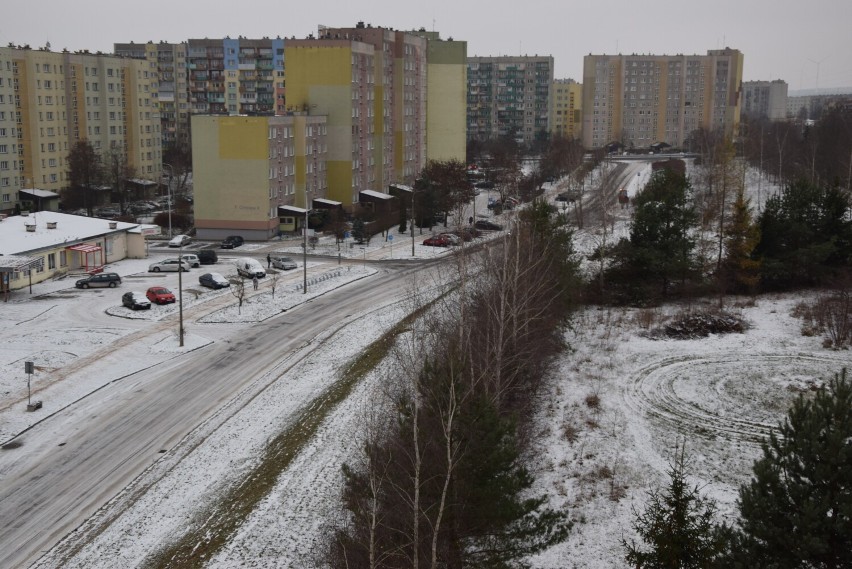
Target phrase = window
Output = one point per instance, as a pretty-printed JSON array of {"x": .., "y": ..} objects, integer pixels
[
  {"x": 63, "y": 258},
  {"x": 51, "y": 260}
]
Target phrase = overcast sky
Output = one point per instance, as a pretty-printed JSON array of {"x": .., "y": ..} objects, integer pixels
[{"x": 806, "y": 43}]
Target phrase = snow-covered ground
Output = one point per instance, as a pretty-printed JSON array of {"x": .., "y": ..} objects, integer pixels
[{"x": 617, "y": 404}]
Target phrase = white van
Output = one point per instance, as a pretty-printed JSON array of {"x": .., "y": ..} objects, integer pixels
[{"x": 249, "y": 268}]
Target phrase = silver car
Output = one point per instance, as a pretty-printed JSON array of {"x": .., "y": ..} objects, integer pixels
[
  {"x": 283, "y": 263},
  {"x": 169, "y": 265}
]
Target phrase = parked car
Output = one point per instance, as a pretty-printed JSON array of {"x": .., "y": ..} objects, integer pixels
[
  {"x": 135, "y": 301},
  {"x": 232, "y": 242},
  {"x": 284, "y": 263},
  {"x": 486, "y": 225},
  {"x": 437, "y": 241},
  {"x": 192, "y": 259},
  {"x": 249, "y": 268},
  {"x": 213, "y": 280},
  {"x": 180, "y": 240},
  {"x": 169, "y": 265},
  {"x": 454, "y": 239},
  {"x": 111, "y": 280},
  {"x": 208, "y": 257},
  {"x": 570, "y": 196},
  {"x": 160, "y": 295}
]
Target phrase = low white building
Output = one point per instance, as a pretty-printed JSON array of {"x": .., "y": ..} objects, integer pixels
[{"x": 38, "y": 246}]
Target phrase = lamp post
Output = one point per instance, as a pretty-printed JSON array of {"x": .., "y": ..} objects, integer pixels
[
  {"x": 171, "y": 175},
  {"x": 180, "y": 294}
]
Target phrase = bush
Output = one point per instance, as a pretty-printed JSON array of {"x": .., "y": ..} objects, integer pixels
[{"x": 700, "y": 325}]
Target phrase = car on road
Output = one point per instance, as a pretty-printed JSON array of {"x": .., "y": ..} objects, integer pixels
[
  {"x": 168, "y": 265},
  {"x": 567, "y": 196},
  {"x": 110, "y": 280},
  {"x": 208, "y": 256},
  {"x": 135, "y": 301},
  {"x": 213, "y": 280},
  {"x": 283, "y": 263},
  {"x": 437, "y": 241},
  {"x": 192, "y": 259},
  {"x": 180, "y": 240},
  {"x": 232, "y": 242},
  {"x": 160, "y": 295},
  {"x": 485, "y": 225}
]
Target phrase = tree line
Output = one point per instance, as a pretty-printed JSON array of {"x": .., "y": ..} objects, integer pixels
[{"x": 440, "y": 480}]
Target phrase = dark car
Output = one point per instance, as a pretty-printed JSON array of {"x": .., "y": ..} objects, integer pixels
[
  {"x": 567, "y": 197},
  {"x": 485, "y": 225},
  {"x": 231, "y": 242},
  {"x": 437, "y": 241},
  {"x": 135, "y": 301},
  {"x": 111, "y": 280},
  {"x": 213, "y": 280},
  {"x": 160, "y": 295},
  {"x": 208, "y": 256}
]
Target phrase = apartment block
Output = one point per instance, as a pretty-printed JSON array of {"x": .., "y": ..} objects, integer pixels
[
  {"x": 168, "y": 61},
  {"x": 253, "y": 175},
  {"x": 398, "y": 104},
  {"x": 566, "y": 104},
  {"x": 446, "y": 97},
  {"x": 508, "y": 96},
  {"x": 765, "y": 99},
  {"x": 49, "y": 101},
  {"x": 638, "y": 100}
]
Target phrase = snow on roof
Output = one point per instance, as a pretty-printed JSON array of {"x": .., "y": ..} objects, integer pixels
[
  {"x": 326, "y": 201},
  {"x": 142, "y": 182},
  {"x": 375, "y": 194},
  {"x": 291, "y": 209},
  {"x": 16, "y": 239},
  {"x": 14, "y": 263},
  {"x": 39, "y": 193},
  {"x": 401, "y": 187}
]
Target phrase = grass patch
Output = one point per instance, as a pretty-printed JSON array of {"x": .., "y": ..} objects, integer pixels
[{"x": 212, "y": 528}]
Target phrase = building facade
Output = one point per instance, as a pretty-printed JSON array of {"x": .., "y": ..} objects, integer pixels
[
  {"x": 446, "y": 98},
  {"x": 251, "y": 172},
  {"x": 49, "y": 101},
  {"x": 508, "y": 96},
  {"x": 638, "y": 100},
  {"x": 765, "y": 99},
  {"x": 566, "y": 118},
  {"x": 168, "y": 61}
]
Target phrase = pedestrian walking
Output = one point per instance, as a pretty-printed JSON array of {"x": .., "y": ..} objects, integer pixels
[
  {"x": 254, "y": 282},
  {"x": 268, "y": 260}
]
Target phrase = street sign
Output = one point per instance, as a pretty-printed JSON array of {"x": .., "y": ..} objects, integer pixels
[{"x": 390, "y": 237}]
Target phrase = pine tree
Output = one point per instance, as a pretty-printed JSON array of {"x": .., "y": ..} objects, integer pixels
[
  {"x": 740, "y": 271},
  {"x": 797, "y": 510},
  {"x": 677, "y": 526}
]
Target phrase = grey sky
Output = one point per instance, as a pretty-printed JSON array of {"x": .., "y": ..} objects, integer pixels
[{"x": 806, "y": 43}]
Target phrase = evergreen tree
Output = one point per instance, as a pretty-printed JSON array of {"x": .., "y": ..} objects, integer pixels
[
  {"x": 804, "y": 233},
  {"x": 677, "y": 526},
  {"x": 740, "y": 271},
  {"x": 359, "y": 231},
  {"x": 797, "y": 510}
]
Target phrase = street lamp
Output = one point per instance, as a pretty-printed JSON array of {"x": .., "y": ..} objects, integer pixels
[
  {"x": 180, "y": 294},
  {"x": 171, "y": 174}
]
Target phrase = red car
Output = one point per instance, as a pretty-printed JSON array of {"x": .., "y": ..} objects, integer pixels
[
  {"x": 437, "y": 241},
  {"x": 160, "y": 295}
]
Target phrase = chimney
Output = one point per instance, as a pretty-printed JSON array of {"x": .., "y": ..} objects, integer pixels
[
  {"x": 30, "y": 227},
  {"x": 113, "y": 224},
  {"x": 51, "y": 225}
]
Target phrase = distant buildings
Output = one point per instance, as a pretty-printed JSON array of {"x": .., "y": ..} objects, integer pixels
[
  {"x": 367, "y": 91},
  {"x": 508, "y": 96},
  {"x": 566, "y": 108},
  {"x": 638, "y": 100},
  {"x": 765, "y": 99},
  {"x": 49, "y": 101}
]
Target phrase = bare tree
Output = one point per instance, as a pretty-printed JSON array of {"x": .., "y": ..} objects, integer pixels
[
  {"x": 238, "y": 289},
  {"x": 84, "y": 173},
  {"x": 274, "y": 277},
  {"x": 117, "y": 171}
]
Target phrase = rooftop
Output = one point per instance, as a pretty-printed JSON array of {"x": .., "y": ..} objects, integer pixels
[{"x": 17, "y": 239}]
